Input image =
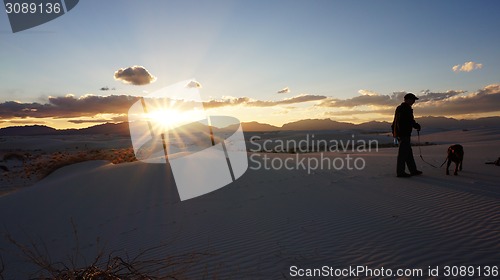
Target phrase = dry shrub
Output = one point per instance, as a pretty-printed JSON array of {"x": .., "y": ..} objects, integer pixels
[
  {"x": 109, "y": 267},
  {"x": 13, "y": 156}
]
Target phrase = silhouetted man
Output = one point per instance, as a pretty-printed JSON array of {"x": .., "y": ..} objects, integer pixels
[{"x": 402, "y": 126}]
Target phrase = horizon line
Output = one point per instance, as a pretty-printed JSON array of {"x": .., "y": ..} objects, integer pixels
[{"x": 250, "y": 122}]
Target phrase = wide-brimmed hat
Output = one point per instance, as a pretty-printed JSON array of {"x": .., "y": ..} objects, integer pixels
[{"x": 411, "y": 96}]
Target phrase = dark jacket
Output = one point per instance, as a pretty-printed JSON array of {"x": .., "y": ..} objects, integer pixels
[{"x": 404, "y": 121}]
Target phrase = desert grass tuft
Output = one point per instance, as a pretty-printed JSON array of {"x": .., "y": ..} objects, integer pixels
[{"x": 104, "y": 266}]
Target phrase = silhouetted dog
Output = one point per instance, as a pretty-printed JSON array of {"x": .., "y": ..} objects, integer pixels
[{"x": 455, "y": 154}]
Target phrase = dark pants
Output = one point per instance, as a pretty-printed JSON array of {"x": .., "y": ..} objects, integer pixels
[{"x": 405, "y": 156}]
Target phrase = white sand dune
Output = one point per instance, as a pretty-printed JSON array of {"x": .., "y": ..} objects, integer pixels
[{"x": 269, "y": 220}]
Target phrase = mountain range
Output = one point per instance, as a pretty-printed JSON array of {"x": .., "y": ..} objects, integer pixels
[
  {"x": 439, "y": 123},
  {"x": 435, "y": 123}
]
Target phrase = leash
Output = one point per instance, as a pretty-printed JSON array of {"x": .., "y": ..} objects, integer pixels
[
  {"x": 420, "y": 150},
  {"x": 443, "y": 162}
]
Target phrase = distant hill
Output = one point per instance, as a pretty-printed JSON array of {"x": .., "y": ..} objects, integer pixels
[
  {"x": 452, "y": 124},
  {"x": 107, "y": 128},
  {"x": 440, "y": 123},
  {"x": 317, "y": 124},
  {"x": 28, "y": 130},
  {"x": 32, "y": 130},
  {"x": 256, "y": 126},
  {"x": 374, "y": 126},
  {"x": 251, "y": 126}
]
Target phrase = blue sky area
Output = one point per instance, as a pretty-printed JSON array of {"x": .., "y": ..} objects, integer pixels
[{"x": 337, "y": 50}]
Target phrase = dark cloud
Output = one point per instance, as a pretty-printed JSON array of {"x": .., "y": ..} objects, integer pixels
[
  {"x": 436, "y": 96},
  {"x": 286, "y": 101},
  {"x": 261, "y": 103},
  {"x": 106, "y": 88},
  {"x": 68, "y": 107},
  {"x": 11, "y": 109},
  {"x": 91, "y": 105},
  {"x": 117, "y": 119},
  {"x": 284, "y": 90},
  {"x": 233, "y": 101},
  {"x": 385, "y": 111},
  {"x": 193, "y": 84},
  {"x": 386, "y": 100},
  {"x": 485, "y": 100},
  {"x": 448, "y": 103},
  {"x": 364, "y": 100},
  {"x": 135, "y": 75}
]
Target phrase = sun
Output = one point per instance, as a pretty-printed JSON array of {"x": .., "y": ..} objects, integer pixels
[{"x": 165, "y": 119}]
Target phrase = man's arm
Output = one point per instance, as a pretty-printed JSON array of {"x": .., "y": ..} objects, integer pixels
[{"x": 414, "y": 124}]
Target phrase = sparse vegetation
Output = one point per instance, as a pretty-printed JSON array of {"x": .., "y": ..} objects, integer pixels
[
  {"x": 24, "y": 168},
  {"x": 13, "y": 156},
  {"x": 104, "y": 267},
  {"x": 48, "y": 164}
]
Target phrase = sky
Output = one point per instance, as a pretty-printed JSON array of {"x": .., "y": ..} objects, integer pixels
[{"x": 268, "y": 61}]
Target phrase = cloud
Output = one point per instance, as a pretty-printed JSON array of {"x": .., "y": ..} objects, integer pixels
[
  {"x": 227, "y": 101},
  {"x": 365, "y": 100},
  {"x": 485, "y": 100},
  {"x": 120, "y": 118},
  {"x": 370, "y": 98},
  {"x": 193, "y": 84},
  {"x": 435, "y": 96},
  {"x": 26, "y": 122},
  {"x": 351, "y": 113},
  {"x": 135, "y": 75},
  {"x": 287, "y": 101},
  {"x": 116, "y": 119},
  {"x": 68, "y": 107},
  {"x": 284, "y": 90},
  {"x": 449, "y": 103},
  {"x": 89, "y": 121},
  {"x": 234, "y": 101},
  {"x": 91, "y": 108},
  {"x": 367, "y": 92},
  {"x": 106, "y": 88},
  {"x": 91, "y": 105},
  {"x": 467, "y": 67}
]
